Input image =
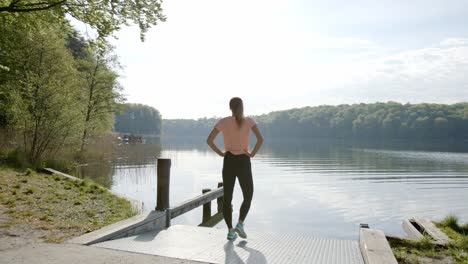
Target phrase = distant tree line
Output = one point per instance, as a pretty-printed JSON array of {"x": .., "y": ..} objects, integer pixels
[
  {"x": 379, "y": 120},
  {"x": 188, "y": 127},
  {"x": 138, "y": 119}
]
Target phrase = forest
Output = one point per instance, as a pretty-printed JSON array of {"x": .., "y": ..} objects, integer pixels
[
  {"x": 389, "y": 120},
  {"x": 138, "y": 119},
  {"x": 58, "y": 89}
]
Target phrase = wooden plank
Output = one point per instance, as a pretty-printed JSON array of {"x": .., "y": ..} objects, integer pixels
[
  {"x": 52, "y": 171},
  {"x": 432, "y": 230},
  {"x": 196, "y": 202},
  {"x": 411, "y": 231},
  {"x": 375, "y": 248}
]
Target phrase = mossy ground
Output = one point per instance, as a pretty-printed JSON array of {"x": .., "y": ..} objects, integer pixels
[
  {"x": 56, "y": 207},
  {"x": 410, "y": 252}
]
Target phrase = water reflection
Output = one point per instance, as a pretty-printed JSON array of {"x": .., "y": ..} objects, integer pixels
[{"x": 322, "y": 188}]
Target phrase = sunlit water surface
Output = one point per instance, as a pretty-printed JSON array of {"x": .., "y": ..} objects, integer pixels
[{"x": 320, "y": 188}]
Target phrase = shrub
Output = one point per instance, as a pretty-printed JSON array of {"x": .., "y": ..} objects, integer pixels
[
  {"x": 18, "y": 159},
  {"x": 62, "y": 165}
]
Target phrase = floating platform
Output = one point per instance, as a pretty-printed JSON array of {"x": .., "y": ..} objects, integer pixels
[{"x": 210, "y": 245}]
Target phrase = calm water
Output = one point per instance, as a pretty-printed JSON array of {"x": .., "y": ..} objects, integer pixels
[{"x": 321, "y": 188}]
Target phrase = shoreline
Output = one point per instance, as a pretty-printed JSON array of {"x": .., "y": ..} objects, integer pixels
[{"x": 55, "y": 207}]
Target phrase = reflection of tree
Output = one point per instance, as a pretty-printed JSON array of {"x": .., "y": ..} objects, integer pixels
[
  {"x": 189, "y": 142},
  {"x": 364, "y": 154},
  {"x": 109, "y": 155},
  {"x": 136, "y": 154},
  {"x": 344, "y": 154},
  {"x": 98, "y": 172}
]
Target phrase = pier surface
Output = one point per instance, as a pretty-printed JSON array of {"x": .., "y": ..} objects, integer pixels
[{"x": 204, "y": 244}]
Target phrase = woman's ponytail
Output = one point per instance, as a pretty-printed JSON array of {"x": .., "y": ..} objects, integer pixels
[{"x": 237, "y": 107}]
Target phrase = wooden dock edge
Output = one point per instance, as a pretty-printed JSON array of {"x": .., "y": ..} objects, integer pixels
[
  {"x": 411, "y": 231},
  {"x": 432, "y": 230},
  {"x": 137, "y": 205},
  {"x": 374, "y": 247},
  {"x": 144, "y": 222}
]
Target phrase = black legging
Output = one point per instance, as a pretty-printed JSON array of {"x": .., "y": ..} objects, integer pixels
[{"x": 236, "y": 165}]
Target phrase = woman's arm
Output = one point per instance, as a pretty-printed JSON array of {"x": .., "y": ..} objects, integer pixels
[
  {"x": 210, "y": 141},
  {"x": 259, "y": 141}
]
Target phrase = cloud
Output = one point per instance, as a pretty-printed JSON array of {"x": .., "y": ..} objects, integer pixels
[
  {"x": 454, "y": 42},
  {"x": 434, "y": 74},
  {"x": 275, "y": 57}
]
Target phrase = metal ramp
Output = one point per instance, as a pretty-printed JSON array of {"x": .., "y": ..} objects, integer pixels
[{"x": 210, "y": 245}]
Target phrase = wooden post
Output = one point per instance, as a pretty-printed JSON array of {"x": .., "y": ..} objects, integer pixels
[
  {"x": 220, "y": 199},
  {"x": 206, "y": 208},
  {"x": 163, "y": 174}
]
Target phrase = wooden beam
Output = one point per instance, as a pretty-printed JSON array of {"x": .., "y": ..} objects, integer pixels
[{"x": 196, "y": 202}]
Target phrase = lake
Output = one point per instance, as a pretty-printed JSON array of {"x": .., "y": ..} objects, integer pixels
[{"x": 322, "y": 188}]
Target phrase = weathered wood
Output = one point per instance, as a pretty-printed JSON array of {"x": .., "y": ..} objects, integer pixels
[
  {"x": 412, "y": 232},
  {"x": 206, "y": 208},
  {"x": 429, "y": 227},
  {"x": 220, "y": 199},
  {"x": 164, "y": 178},
  {"x": 52, "y": 171},
  {"x": 214, "y": 220},
  {"x": 196, "y": 202},
  {"x": 375, "y": 248}
]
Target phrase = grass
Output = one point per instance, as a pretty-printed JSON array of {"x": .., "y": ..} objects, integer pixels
[
  {"x": 424, "y": 251},
  {"x": 63, "y": 207}
]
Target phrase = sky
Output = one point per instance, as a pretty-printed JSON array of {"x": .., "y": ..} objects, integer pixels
[{"x": 278, "y": 55}]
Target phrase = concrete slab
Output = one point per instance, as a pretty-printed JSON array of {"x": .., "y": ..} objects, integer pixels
[
  {"x": 138, "y": 224},
  {"x": 45, "y": 253},
  {"x": 411, "y": 231},
  {"x": 428, "y": 226},
  {"x": 375, "y": 248},
  {"x": 210, "y": 245}
]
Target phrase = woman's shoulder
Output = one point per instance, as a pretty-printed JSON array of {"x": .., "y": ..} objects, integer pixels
[
  {"x": 250, "y": 119},
  {"x": 223, "y": 120},
  {"x": 226, "y": 118}
]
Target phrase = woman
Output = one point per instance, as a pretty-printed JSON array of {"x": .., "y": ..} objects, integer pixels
[{"x": 236, "y": 162}]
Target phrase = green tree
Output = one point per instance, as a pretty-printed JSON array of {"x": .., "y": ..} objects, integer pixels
[
  {"x": 42, "y": 86},
  {"x": 106, "y": 16},
  {"x": 101, "y": 93},
  {"x": 377, "y": 121}
]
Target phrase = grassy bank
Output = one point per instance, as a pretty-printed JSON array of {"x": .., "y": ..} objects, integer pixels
[
  {"x": 54, "y": 208},
  {"x": 410, "y": 252}
]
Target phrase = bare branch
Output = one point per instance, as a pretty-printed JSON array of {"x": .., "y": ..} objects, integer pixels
[{"x": 14, "y": 8}]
